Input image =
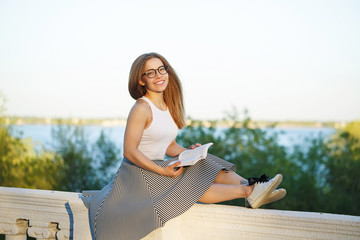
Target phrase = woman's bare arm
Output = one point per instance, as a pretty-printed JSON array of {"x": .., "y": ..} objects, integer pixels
[{"x": 174, "y": 149}]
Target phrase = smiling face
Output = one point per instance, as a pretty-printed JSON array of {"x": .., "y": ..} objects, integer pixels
[{"x": 157, "y": 84}]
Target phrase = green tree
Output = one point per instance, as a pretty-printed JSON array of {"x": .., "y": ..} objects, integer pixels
[
  {"x": 75, "y": 165},
  {"x": 306, "y": 188},
  {"x": 107, "y": 156},
  {"x": 329, "y": 169},
  {"x": 20, "y": 164},
  {"x": 321, "y": 177},
  {"x": 86, "y": 165},
  {"x": 343, "y": 167},
  {"x": 253, "y": 150}
]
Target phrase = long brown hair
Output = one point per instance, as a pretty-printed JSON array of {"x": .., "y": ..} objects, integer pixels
[{"x": 173, "y": 96}]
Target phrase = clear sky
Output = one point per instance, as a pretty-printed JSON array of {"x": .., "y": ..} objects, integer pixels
[{"x": 282, "y": 60}]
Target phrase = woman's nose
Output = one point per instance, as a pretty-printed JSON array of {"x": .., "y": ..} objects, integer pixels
[{"x": 157, "y": 73}]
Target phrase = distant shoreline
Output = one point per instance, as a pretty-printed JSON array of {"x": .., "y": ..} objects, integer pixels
[{"x": 109, "y": 122}]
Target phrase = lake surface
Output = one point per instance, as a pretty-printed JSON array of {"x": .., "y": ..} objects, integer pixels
[{"x": 288, "y": 137}]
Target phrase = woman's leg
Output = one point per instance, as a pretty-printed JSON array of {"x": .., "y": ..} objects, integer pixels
[
  {"x": 230, "y": 178},
  {"x": 222, "y": 192},
  {"x": 229, "y": 186}
]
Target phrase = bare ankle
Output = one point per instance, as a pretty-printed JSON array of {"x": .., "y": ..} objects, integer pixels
[{"x": 249, "y": 190}]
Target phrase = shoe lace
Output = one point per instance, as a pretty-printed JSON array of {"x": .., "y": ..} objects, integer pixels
[{"x": 263, "y": 178}]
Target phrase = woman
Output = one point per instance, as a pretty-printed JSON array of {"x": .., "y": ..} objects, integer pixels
[{"x": 147, "y": 192}]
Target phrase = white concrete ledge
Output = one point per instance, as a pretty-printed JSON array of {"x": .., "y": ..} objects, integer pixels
[
  {"x": 62, "y": 215},
  {"x": 229, "y": 222}
]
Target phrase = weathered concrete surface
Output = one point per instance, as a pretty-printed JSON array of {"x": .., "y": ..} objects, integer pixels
[{"x": 48, "y": 214}]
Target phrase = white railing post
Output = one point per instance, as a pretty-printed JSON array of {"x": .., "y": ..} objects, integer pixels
[
  {"x": 42, "y": 230},
  {"x": 14, "y": 231}
]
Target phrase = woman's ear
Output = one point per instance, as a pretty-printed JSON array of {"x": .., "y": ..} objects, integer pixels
[{"x": 142, "y": 83}]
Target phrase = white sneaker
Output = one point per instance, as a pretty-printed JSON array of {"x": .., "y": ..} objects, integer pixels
[
  {"x": 276, "y": 195},
  {"x": 262, "y": 191}
]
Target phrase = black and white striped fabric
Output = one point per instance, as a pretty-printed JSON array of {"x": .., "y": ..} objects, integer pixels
[{"x": 138, "y": 201}]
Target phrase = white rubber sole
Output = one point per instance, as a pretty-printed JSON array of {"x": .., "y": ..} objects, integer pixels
[{"x": 276, "y": 195}]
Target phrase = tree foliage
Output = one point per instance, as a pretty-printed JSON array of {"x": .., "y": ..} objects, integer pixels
[
  {"x": 343, "y": 166},
  {"x": 20, "y": 164},
  {"x": 86, "y": 165},
  {"x": 75, "y": 163},
  {"x": 320, "y": 178}
]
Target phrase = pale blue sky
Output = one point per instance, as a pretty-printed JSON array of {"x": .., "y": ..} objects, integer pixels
[{"x": 283, "y": 60}]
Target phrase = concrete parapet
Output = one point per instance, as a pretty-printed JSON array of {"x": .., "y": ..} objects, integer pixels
[{"x": 45, "y": 214}]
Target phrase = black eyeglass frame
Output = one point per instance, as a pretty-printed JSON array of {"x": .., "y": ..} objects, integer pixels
[{"x": 158, "y": 70}]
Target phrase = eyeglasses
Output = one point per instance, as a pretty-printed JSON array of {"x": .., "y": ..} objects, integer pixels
[{"x": 151, "y": 73}]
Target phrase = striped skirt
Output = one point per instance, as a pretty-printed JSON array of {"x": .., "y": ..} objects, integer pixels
[{"x": 138, "y": 201}]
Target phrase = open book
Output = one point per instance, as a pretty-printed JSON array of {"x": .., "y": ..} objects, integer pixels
[{"x": 192, "y": 156}]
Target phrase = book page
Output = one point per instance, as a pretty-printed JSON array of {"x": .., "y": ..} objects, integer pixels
[
  {"x": 192, "y": 156},
  {"x": 196, "y": 152}
]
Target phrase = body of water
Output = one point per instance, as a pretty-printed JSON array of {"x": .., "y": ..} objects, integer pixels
[
  {"x": 288, "y": 137},
  {"x": 41, "y": 134}
]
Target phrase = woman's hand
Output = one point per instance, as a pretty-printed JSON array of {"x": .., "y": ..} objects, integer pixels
[
  {"x": 194, "y": 146},
  {"x": 172, "y": 170}
]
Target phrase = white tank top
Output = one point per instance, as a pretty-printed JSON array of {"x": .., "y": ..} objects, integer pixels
[{"x": 158, "y": 136}]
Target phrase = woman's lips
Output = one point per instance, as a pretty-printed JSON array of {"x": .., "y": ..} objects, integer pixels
[{"x": 160, "y": 82}]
